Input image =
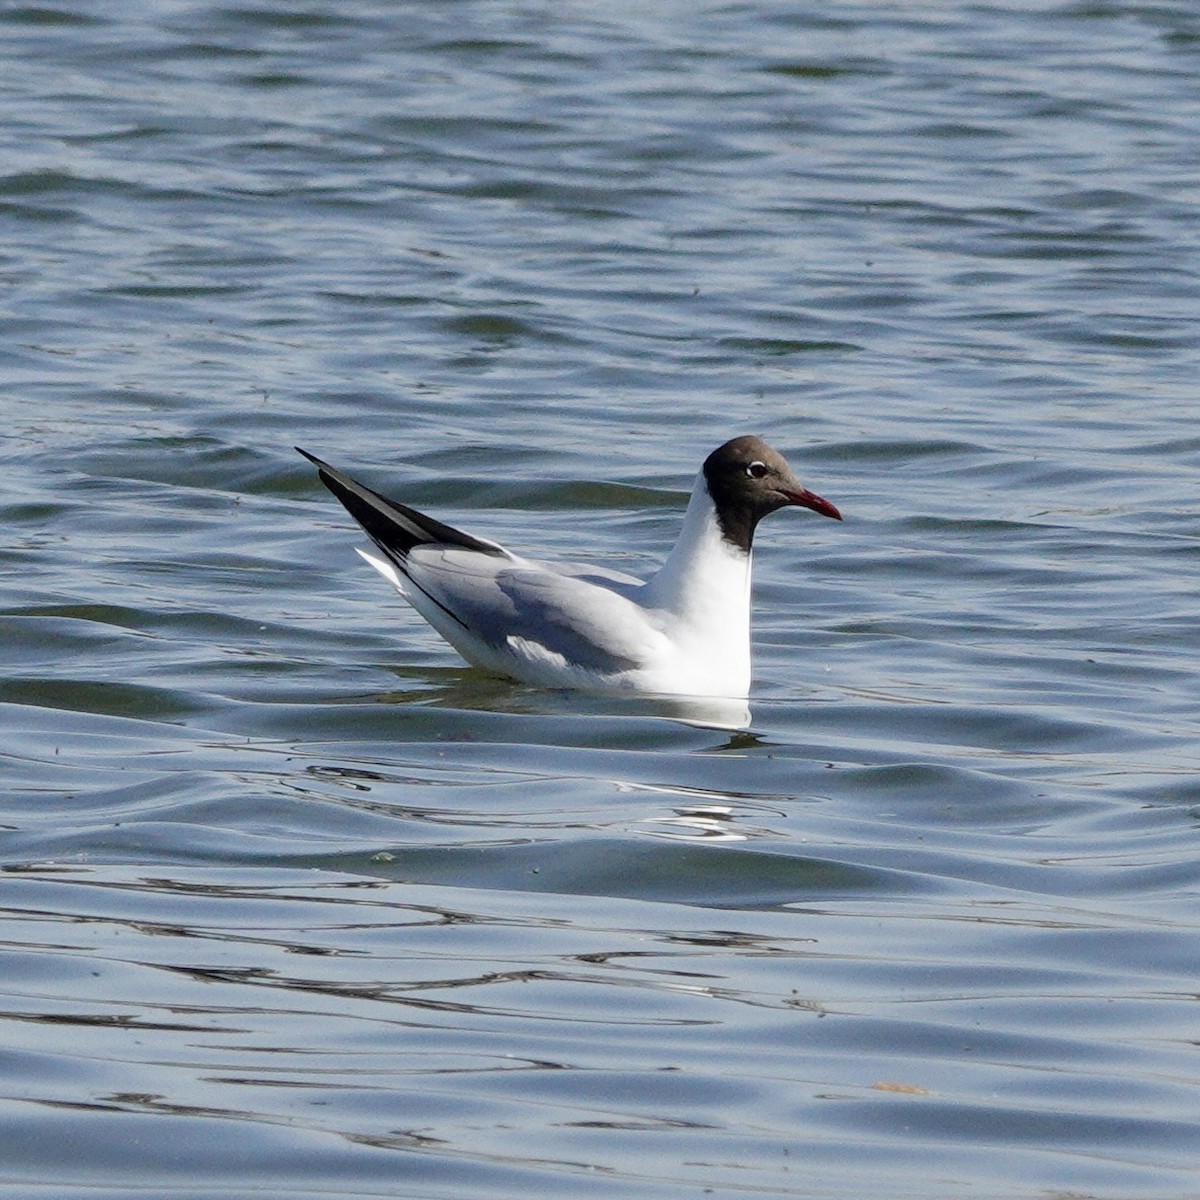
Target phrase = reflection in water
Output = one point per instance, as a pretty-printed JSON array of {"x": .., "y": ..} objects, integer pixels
[
  {"x": 710, "y": 822},
  {"x": 695, "y": 812},
  {"x": 469, "y": 689},
  {"x": 709, "y": 712}
]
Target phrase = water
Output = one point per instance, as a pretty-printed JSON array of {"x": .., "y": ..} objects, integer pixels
[{"x": 296, "y": 904}]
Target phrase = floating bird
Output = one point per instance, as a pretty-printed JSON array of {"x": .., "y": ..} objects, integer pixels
[{"x": 685, "y": 631}]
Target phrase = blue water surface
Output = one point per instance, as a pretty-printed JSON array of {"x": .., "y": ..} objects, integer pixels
[{"x": 294, "y": 903}]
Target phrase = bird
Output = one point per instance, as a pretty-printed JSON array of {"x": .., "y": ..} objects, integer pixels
[{"x": 683, "y": 632}]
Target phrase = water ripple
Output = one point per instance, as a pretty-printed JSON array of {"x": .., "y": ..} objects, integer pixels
[{"x": 320, "y": 911}]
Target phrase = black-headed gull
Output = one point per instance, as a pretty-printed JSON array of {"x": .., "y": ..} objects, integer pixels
[{"x": 683, "y": 632}]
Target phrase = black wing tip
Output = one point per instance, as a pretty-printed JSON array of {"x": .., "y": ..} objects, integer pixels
[{"x": 393, "y": 527}]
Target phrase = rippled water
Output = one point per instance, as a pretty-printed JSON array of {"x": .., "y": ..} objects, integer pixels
[{"x": 295, "y": 904}]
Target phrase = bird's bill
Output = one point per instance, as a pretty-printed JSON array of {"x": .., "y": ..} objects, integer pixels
[{"x": 806, "y": 499}]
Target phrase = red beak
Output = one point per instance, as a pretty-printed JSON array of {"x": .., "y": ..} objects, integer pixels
[{"x": 807, "y": 499}]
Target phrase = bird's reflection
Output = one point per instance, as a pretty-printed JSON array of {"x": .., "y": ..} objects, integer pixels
[{"x": 466, "y": 688}]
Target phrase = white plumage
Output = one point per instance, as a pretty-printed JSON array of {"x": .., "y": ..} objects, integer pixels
[{"x": 683, "y": 632}]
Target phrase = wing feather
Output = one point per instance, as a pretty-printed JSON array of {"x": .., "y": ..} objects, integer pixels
[
  {"x": 519, "y": 604},
  {"x": 394, "y": 527},
  {"x": 497, "y": 609}
]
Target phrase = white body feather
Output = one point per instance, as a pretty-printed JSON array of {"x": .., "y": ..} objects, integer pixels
[{"x": 684, "y": 632}]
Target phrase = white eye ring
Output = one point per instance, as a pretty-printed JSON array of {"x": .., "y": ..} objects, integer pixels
[{"x": 756, "y": 470}]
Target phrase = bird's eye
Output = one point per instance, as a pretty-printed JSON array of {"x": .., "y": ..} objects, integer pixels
[{"x": 756, "y": 470}]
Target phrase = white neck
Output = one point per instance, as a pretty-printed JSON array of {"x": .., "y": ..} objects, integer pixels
[{"x": 704, "y": 588}]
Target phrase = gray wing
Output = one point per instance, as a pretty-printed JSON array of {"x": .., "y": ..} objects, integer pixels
[{"x": 588, "y": 618}]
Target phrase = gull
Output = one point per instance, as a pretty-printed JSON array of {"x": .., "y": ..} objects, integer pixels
[{"x": 684, "y": 632}]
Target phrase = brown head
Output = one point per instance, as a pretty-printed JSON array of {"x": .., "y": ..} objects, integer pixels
[{"x": 747, "y": 479}]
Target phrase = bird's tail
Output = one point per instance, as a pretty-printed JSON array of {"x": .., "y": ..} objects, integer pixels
[{"x": 393, "y": 527}]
